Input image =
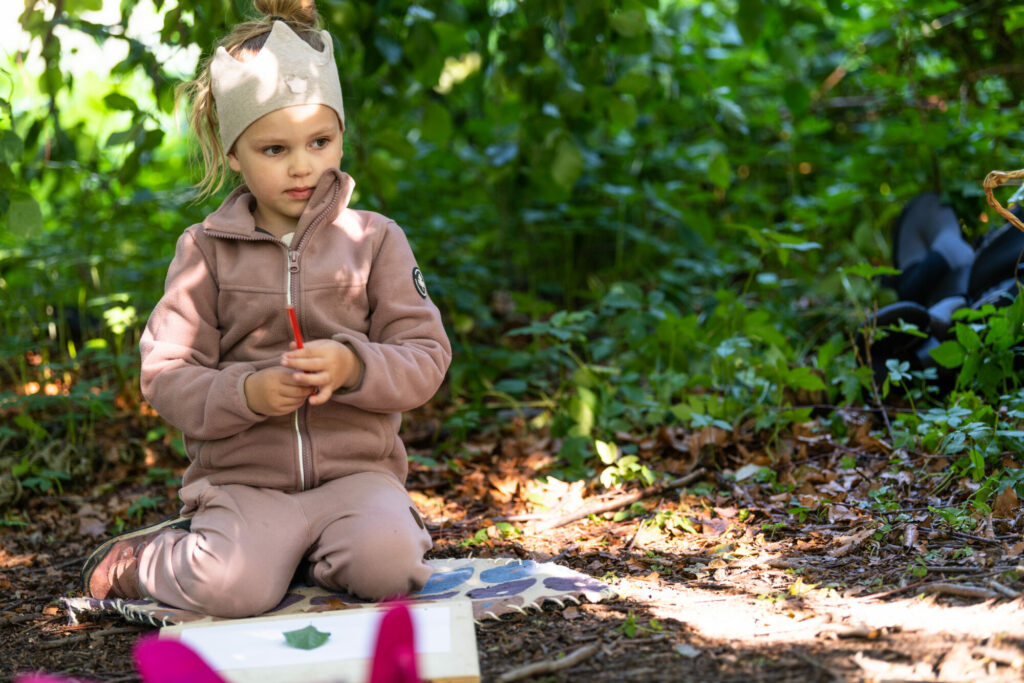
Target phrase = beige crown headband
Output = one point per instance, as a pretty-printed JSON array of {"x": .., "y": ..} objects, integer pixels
[{"x": 286, "y": 72}]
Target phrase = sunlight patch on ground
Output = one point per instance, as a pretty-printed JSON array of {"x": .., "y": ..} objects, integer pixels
[{"x": 743, "y": 618}]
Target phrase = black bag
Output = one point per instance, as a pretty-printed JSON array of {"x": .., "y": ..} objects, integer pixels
[{"x": 939, "y": 274}]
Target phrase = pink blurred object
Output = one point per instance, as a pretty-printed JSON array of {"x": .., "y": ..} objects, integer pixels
[
  {"x": 170, "y": 661},
  {"x": 394, "y": 657}
]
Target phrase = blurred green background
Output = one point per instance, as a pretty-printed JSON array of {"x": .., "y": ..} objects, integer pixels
[{"x": 632, "y": 214}]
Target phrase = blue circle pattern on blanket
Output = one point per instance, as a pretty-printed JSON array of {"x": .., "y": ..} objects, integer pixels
[
  {"x": 494, "y": 588},
  {"x": 440, "y": 582},
  {"x": 501, "y": 590},
  {"x": 512, "y": 570},
  {"x": 510, "y": 579}
]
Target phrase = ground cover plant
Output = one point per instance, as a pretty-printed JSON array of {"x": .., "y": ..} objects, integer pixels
[{"x": 654, "y": 229}]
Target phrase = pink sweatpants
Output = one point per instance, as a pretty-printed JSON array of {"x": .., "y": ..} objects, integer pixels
[{"x": 360, "y": 534}]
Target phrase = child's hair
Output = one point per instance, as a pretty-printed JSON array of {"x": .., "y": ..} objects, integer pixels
[{"x": 243, "y": 43}]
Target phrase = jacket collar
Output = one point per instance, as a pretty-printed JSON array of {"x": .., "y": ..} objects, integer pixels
[{"x": 234, "y": 216}]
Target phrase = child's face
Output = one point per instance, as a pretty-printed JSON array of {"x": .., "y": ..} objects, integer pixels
[{"x": 281, "y": 156}]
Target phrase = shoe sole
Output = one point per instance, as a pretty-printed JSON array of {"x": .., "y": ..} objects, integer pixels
[{"x": 97, "y": 555}]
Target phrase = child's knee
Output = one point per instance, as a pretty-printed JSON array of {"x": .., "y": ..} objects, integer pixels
[
  {"x": 232, "y": 595},
  {"x": 382, "y": 564}
]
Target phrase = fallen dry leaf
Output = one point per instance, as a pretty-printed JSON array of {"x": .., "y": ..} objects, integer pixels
[
  {"x": 91, "y": 526},
  {"x": 686, "y": 650},
  {"x": 1006, "y": 504}
]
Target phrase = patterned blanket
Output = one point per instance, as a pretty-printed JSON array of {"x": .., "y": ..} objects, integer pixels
[{"x": 494, "y": 587}]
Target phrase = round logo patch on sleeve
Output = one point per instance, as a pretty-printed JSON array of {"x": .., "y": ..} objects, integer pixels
[{"x": 421, "y": 284}]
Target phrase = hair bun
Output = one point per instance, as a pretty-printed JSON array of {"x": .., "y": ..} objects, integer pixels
[{"x": 299, "y": 12}]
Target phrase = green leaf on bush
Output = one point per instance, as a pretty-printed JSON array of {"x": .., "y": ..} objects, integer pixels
[
  {"x": 567, "y": 165},
  {"x": 719, "y": 172},
  {"x": 437, "y": 123},
  {"x": 24, "y": 217},
  {"x": 628, "y": 24},
  {"x": 11, "y": 147},
  {"x": 804, "y": 378},
  {"x": 968, "y": 338},
  {"x": 750, "y": 20},
  {"x": 948, "y": 354},
  {"x": 306, "y": 638},
  {"x": 867, "y": 270},
  {"x": 511, "y": 386},
  {"x": 116, "y": 100}
]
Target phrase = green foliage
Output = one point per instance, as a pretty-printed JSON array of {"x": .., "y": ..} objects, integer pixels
[
  {"x": 632, "y": 214},
  {"x": 987, "y": 344}
]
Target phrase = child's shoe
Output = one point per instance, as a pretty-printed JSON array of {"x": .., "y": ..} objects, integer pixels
[{"x": 112, "y": 570}]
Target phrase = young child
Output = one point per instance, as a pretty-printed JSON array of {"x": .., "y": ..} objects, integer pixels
[{"x": 294, "y": 451}]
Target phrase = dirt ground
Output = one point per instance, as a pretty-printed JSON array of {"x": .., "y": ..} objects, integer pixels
[{"x": 720, "y": 579}]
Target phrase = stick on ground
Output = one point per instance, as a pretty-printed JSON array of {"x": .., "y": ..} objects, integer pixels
[
  {"x": 621, "y": 501},
  {"x": 550, "y": 665}
]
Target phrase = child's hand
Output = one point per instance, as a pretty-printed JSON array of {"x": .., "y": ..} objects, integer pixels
[
  {"x": 325, "y": 365},
  {"x": 274, "y": 391}
]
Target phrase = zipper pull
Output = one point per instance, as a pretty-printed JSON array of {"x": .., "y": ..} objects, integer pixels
[{"x": 293, "y": 261}]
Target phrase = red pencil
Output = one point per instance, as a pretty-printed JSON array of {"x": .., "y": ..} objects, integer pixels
[{"x": 295, "y": 327}]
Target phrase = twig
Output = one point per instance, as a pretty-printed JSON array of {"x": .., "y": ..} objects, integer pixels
[
  {"x": 562, "y": 554},
  {"x": 894, "y": 591},
  {"x": 955, "y": 569},
  {"x": 961, "y": 535},
  {"x": 20, "y": 618},
  {"x": 961, "y": 591},
  {"x": 1007, "y": 656},
  {"x": 60, "y": 565},
  {"x": 1006, "y": 591},
  {"x": 551, "y": 665},
  {"x": 632, "y": 539},
  {"x": 835, "y": 675},
  {"x": 525, "y": 517},
  {"x": 61, "y": 642},
  {"x": 622, "y": 501}
]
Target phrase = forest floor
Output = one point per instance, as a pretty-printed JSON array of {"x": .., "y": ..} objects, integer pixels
[{"x": 842, "y": 562}]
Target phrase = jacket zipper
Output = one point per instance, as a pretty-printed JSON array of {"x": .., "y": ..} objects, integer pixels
[
  {"x": 291, "y": 277},
  {"x": 291, "y": 299},
  {"x": 305, "y": 449}
]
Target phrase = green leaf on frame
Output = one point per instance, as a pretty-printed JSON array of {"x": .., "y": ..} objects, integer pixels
[{"x": 306, "y": 638}]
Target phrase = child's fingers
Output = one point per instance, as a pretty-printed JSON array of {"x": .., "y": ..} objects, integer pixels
[
  {"x": 320, "y": 395},
  {"x": 312, "y": 379},
  {"x": 306, "y": 363}
]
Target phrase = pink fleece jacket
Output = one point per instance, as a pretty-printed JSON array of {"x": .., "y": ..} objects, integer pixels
[{"x": 351, "y": 277}]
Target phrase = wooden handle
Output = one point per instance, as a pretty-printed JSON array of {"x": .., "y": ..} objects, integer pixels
[{"x": 994, "y": 180}]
